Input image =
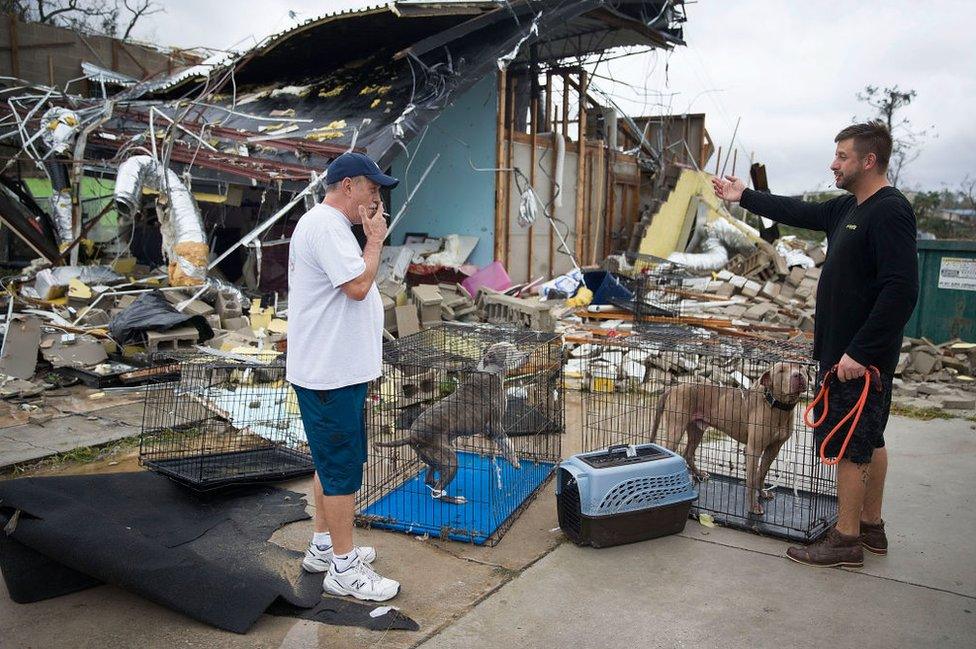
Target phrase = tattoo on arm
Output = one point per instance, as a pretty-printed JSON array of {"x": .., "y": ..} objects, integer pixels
[{"x": 865, "y": 472}]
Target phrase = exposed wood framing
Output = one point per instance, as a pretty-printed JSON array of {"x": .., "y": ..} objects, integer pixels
[
  {"x": 533, "y": 128},
  {"x": 565, "y": 76},
  {"x": 581, "y": 169},
  {"x": 551, "y": 124},
  {"x": 501, "y": 177},
  {"x": 14, "y": 48},
  {"x": 509, "y": 155}
]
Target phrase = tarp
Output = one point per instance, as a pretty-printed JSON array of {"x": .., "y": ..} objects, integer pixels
[
  {"x": 207, "y": 556},
  {"x": 152, "y": 312}
]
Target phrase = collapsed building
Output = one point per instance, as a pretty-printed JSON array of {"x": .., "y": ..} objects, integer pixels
[
  {"x": 456, "y": 96},
  {"x": 516, "y": 168}
]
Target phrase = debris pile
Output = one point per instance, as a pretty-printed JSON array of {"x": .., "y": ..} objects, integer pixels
[{"x": 937, "y": 376}]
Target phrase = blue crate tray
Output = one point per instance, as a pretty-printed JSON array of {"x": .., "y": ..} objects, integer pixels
[{"x": 409, "y": 508}]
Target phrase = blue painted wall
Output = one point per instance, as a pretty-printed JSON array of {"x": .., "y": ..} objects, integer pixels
[{"x": 454, "y": 199}]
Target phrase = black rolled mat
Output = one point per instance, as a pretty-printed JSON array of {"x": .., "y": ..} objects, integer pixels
[{"x": 207, "y": 556}]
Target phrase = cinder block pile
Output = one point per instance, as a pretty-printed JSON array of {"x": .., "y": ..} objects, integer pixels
[
  {"x": 938, "y": 376},
  {"x": 788, "y": 303}
]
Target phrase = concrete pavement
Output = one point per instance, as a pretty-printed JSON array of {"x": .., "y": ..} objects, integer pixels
[
  {"x": 706, "y": 587},
  {"x": 720, "y": 587},
  {"x": 92, "y": 424}
]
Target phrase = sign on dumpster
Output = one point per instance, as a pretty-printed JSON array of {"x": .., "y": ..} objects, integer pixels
[{"x": 958, "y": 273}]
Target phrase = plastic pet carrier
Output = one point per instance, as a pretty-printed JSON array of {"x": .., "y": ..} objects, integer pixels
[{"x": 623, "y": 494}]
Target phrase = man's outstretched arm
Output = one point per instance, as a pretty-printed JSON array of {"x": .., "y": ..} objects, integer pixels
[{"x": 786, "y": 210}]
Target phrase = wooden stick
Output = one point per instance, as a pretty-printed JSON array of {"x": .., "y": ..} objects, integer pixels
[
  {"x": 581, "y": 171},
  {"x": 508, "y": 165},
  {"x": 501, "y": 177}
]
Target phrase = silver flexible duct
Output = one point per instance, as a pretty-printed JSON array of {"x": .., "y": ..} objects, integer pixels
[
  {"x": 721, "y": 238},
  {"x": 184, "y": 240}
]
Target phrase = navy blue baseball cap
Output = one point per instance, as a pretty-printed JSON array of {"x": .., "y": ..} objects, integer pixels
[{"x": 351, "y": 165}]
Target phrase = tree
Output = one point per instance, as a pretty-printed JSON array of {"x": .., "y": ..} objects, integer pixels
[
  {"x": 967, "y": 193},
  {"x": 927, "y": 205},
  {"x": 888, "y": 102},
  {"x": 114, "y": 18}
]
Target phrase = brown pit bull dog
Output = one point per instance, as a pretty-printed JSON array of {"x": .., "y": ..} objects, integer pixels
[{"x": 761, "y": 418}]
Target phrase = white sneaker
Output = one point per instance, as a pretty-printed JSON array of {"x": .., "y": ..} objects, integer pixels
[
  {"x": 360, "y": 581},
  {"x": 318, "y": 560}
]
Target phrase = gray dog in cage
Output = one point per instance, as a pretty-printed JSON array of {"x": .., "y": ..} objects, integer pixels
[
  {"x": 761, "y": 419},
  {"x": 476, "y": 407}
]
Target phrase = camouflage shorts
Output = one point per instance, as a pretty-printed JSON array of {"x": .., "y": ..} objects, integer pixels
[{"x": 869, "y": 433}]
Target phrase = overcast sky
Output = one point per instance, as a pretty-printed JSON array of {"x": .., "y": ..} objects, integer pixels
[{"x": 790, "y": 70}]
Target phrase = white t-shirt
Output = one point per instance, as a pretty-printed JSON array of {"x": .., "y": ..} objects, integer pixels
[{"x": 333, "y": 340}]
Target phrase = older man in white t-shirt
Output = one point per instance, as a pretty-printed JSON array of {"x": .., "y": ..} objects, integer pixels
[{"x": 335, "y": 346}]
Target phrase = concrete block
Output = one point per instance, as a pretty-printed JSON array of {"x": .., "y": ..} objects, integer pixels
[
  {"x": 924, "y": 362},
  {"x": 95, "y": 317},
  {"x": 751, "y": 288},
  {"x": 198, "y": 307},
  {"x": 725, "y": 290},
  {"x": 172, "y": 339},
  {"x": 770, "y": 289},
  {"x": 389, "y": 313},
  {"x": 407, "y": 321},
  {"x": 426, "y": 295},
  {"x": 228, "y": 306},
  {"x": 233, "y": 324},
  {"x": 796, "y": 276},
  {"x": 758, "y": 311}
]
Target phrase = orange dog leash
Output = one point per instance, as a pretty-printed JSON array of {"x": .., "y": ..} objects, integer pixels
[{"x": 824, "y": 395}]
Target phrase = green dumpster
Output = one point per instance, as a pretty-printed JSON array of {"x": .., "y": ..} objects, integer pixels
[{"x": 946, "y": 306}]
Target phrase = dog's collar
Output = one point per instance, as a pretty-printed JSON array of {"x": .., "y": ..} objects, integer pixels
[{"x": 776, "y": 403}]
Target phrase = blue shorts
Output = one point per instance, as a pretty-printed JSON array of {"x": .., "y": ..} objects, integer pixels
[{"x": 336, "y": 431}]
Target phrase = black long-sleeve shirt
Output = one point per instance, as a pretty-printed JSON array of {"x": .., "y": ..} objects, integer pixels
[{"x": 869, "y": 281}]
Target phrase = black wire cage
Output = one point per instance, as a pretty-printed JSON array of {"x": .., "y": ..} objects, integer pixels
[
  {"x": 656, "y": 285},
  {"x": 223, "y": 420},
  {"x": 731, "y": 406},
  {"x": 464, "y": 428}
]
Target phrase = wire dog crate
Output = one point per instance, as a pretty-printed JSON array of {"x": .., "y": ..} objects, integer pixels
[
  {"x": 463, "y": 428},
  {"x": 225, "y": 420},
  {"x": 732, "y": 407},
  {"x": 656, "y": 285}
]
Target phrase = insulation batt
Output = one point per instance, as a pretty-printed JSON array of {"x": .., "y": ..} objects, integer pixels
[{"x": 184, "y": 240}]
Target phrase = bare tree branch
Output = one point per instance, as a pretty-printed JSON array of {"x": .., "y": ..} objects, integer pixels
[
  {"x": 146, "y": 8},
  {"x": 96, "y": 16},
  {"x": 888, "y": 102}
]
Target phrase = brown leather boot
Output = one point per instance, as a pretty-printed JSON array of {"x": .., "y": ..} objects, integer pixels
[
  {"x": 834, "y": 549},
  {"x": 873, "y": 538}
]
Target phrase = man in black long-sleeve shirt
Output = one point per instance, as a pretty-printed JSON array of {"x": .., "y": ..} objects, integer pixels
[{"x": 867, "y": 291}]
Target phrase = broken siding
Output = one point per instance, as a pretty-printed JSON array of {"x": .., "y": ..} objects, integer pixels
[{"x": 454, "y": 199}]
